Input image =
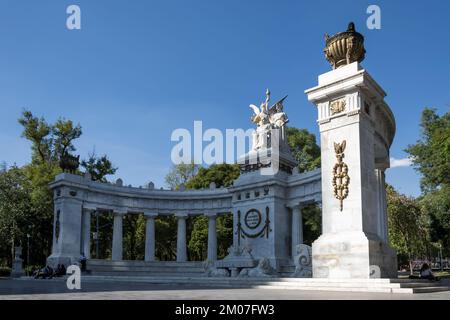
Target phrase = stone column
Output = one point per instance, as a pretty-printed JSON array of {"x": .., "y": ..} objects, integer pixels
[
  {"x": 381, "y": 205},
  {"x": 212, "y": 237},
  {"x": 297, "y": 227},
  {"x": 150, "y": 236},
  {"x": 86, "y": 248},
  {"x": 181, "y": 237},
  {"x": 384, "y": 219},
  {"x": 117, "y": 247}
]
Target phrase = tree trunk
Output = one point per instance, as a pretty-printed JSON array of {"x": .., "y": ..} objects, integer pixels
[{"x": 411, "y": 269}]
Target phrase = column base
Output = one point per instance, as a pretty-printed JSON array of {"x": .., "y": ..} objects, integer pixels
[{"x": 351, "y": 255}]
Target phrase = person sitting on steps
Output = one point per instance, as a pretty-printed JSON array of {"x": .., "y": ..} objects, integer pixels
[
  {"x": 426, "y": 273},
  {"x": 83, "y": 262}
]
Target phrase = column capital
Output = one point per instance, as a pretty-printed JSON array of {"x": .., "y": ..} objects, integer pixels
[
  {"x": 89, "y": 208},
  {"x": 150, "y": 215},
  {"x": 119, "y": 212},
  {"x": 181, "y": 215},
  {"x": 295, "y": 205},
  {"x": 211, "y": 215}
]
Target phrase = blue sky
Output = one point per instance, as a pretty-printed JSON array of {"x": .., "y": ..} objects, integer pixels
[{"x": 137, "y": 70}]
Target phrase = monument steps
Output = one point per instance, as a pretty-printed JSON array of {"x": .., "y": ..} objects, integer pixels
[
  {"x": 144, "y": 268},
  {"x": 312, "y": 284}
]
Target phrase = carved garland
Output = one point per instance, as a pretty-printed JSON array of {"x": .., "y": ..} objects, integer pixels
[{"x": 341, "y": 180}]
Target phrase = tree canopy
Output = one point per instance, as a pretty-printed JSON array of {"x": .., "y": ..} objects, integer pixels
[
  {"x": 304, "y": 148},
  {"x": 431, "y": 154},
  {"x": 431, "y": 158},
  {"x": 26, "y": 202}
]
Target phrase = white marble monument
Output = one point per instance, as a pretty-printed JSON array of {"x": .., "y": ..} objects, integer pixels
[{"x": 356, "y": 131}]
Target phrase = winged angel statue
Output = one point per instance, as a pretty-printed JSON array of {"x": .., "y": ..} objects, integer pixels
[{"x": 266, "y": 119}]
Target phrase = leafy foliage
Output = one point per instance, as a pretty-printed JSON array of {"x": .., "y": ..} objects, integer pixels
[
  {"x": 436, "y": 206},
  {"x": 26, "y": 202},
  {"x": 166, "y": 238},
  {"x": 431, "y": 154},
  {"x": 304, "y": 148},
  {"x": 180, "y": 174},
  {"x": 431, "y": 157},
  {"x": 15, "y": 209},
  {"x": 134, "y": 237},
  {"x": 407, "y": 225},
  {"x": 104, "y": 221},
  {"x": 98, "y": 167},
  {"x": 312, "y": 224},
  {"x": 222, "y": 175}
]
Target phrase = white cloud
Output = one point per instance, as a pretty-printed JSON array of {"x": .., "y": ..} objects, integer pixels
[{"x": 397, "y": 163}]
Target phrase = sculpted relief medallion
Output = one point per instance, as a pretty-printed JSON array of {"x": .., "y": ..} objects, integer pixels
[
  {"x": 252, "y": 219},
  {"x": 253, "y": 226}
]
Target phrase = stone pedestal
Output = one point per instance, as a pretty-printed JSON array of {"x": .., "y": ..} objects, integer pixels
[
  {"x": 356, "y": 130},
  {"x": 260, "y": 213},
  {"x": 66, "y": 228}
]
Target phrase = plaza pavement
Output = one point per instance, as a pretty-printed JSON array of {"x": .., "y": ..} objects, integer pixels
[{"x": 56, "y": 289}]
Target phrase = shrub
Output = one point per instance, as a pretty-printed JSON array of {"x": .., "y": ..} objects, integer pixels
[{"x": 5, "y": 271}]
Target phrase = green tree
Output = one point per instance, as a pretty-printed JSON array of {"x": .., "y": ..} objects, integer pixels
[
  {"x": 134, "y": 237},
  {"x": 26, "y": 204},
  {"x": 15, "y": 208},
  {"x": 407, "y": 226},
  {"x": 166, "y": 238},
  {"x": 98, "y": 167},
  {"x": 180, "y": 174},
  {"x": 312, "y": 224},
  {"x": 431, "y": 158},
  {"x": 222, "y": 175},
  {"x": 436, "y": 206},
  {"x": 431, "y": 154},
  {"x": 304, "y": 148},
  {"x": 64, "y": 133}
]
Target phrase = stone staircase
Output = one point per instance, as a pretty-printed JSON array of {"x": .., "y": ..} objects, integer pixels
[
  {"x": 314, "y": 284},
  {"x": 144, "y": 269}
]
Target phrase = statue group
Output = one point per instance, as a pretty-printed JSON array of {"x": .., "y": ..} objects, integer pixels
[{"x": 267, "y": 119}]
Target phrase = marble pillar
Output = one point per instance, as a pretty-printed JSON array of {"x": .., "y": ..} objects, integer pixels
[
  {"x": 297, "y": 227},
  {"x": 384, "y": 222},
  {"x": 181, "y": 237},
  {"x": 86, "y": 226},
  {"x": 212, "y": 237},
  {"x": 150, "y": 236},
  {"x": 117, "y": 248}
]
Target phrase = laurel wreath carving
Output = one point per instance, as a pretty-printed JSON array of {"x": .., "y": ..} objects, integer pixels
[{"x": 341, "y": 180}]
